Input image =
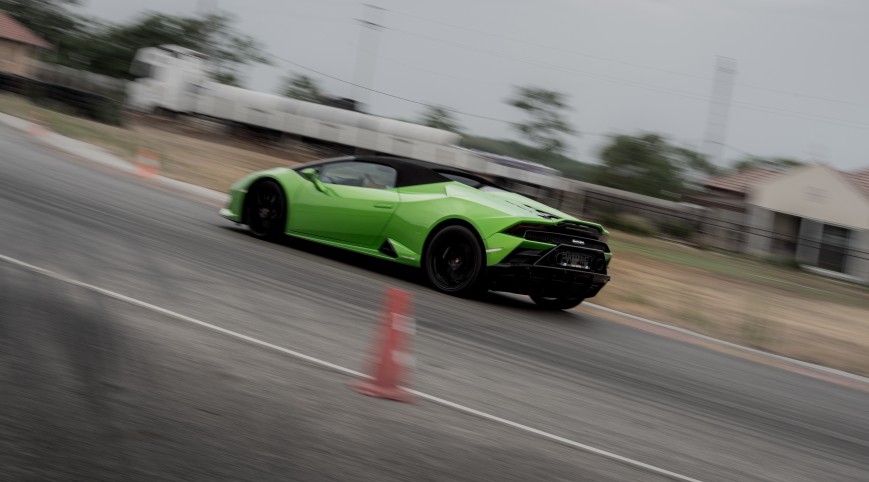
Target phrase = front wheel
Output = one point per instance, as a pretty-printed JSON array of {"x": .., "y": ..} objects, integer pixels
[
  {"x": 454, "y": 261},
  {"x": 266, "y": 210},
  {"x": 557, "y": 303}
]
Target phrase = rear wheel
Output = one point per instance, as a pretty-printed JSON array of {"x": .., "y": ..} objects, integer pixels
[
  {"x": 266, "y": 210},
  {"x": 557, "y": 302},
  {"x": 454, "y": 261}
]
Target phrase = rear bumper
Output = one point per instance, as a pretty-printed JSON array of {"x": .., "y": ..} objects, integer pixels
[{"x": 530, "y": 279}]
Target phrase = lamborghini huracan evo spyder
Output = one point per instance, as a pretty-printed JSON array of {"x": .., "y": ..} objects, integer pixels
[{"x": 466, "y": 234}]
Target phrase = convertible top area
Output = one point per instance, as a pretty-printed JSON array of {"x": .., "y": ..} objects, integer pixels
[{"x": 412, "y": 172}]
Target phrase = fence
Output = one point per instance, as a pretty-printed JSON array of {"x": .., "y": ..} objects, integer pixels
[{"x": 82, "y": 93}]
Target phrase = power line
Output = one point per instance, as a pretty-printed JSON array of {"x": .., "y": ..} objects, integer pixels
[
  {"x": 550, "y": 47},
  {"x": 449, "y": 109},
  {"x": 626, "y": 63},
  {"x": 456, "y": 111},
  {"x": 617, "y": 80},
  {"x": 318, "y": 72},
  {"x": 435, "y": 72},
  {"x": 641, "y": 85}
]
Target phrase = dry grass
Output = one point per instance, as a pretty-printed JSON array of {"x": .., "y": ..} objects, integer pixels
[
  {"x": 731, "y": 297},
  {"x": 750, "y": 302},
  {"x": 187, "y": 154}
]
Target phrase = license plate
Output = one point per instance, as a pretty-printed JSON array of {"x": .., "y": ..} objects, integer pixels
[{"x": 573, "y": 260}]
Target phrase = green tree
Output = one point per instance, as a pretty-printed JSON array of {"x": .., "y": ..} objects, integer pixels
[
  {"x": 693, "y": 166},
  {"x": 108, "y": 49},
  {"x": 57, "y": 22},
  {"x": 439, "y": 118},
  {"x": 642, "y": 164},
  {"x": 228, "y": 49},
  {"x": 692, "y": 161},
  {"x": 569, "y": 167},
  {"x": 50, "y": 19},
  {"x": 781, "y": 163},
  {"x": 545, "y": 111},
  {"x": 228, "y": 78},
  {"x": 303, "y": 87}
]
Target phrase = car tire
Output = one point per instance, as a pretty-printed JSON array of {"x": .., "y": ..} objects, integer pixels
[
  {"x": 265, "y": 210},
  {"x": 454, "y": 261},
  {"x": 557, "y": 303}
]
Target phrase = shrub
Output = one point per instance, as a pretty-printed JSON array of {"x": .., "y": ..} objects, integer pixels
[
  {"x": 629, "y": 223},
  {"x": 677, "y": 229}
]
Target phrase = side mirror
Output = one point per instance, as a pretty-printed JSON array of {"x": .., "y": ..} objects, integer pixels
[
  {"x": 313, "y": 175},
  {"x": 309, "y": 173}
]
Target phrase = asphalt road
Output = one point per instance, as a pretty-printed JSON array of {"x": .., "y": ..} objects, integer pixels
[{"x": 95, "y": 389}]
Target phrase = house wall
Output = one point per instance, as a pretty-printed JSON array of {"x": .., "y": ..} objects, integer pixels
[
  {"x": 785, "y": 235},
  {"x": 17, "y": 58},
  {"x": 723, "y": 228},
  {"x": 817, "y": 195},
  {"x": 761, "y": 222},
  {"x": 815, "y": 192},
  {"x": 857, "y": 264},
  {"x": 809, "y": 247}
]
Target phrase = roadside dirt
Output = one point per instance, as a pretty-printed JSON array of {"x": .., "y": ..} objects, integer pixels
[
  {"x": 199, "y": 153},
  {"x": 789, "y": 323},
  {"x": 209, "y": 156}
]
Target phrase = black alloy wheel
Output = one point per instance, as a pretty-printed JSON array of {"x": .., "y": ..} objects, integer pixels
[
  {"x": 557, "y": 302},
  {"x": 454, "y": 261},
  {"x": 266, "y": 210}
]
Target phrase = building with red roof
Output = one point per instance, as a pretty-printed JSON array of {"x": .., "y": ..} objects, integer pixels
[
  {"x": 18, "y": 47},
  {"x": 815, "y": 215}
]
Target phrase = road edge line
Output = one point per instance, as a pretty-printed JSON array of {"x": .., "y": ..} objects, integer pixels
[
  {"x": 747, "y": 349},
  {"x": 101, "y": 156}
]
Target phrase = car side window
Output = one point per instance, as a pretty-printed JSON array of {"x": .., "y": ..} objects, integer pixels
[{"x": 360, "y": 174}]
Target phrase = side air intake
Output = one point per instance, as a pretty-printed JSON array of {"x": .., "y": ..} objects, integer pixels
[{"x": 387, "y": 249}]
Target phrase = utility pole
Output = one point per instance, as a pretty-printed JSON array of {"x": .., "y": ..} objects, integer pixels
[
  {"x": 719, "y": 110},
  {"x": 366, "y": 54}
]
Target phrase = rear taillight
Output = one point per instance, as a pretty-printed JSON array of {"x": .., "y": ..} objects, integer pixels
[{"x": 520, "y": 229}]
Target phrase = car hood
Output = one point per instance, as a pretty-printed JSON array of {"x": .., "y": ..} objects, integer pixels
[{"x": 515, "y": 205}]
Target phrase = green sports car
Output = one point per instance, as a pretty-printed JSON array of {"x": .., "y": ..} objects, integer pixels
[{"x": 467, "y": 234}]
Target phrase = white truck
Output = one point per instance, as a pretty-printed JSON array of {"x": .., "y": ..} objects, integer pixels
[{"x": 172, "y": 79}]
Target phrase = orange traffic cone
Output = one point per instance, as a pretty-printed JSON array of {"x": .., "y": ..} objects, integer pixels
[
  {"x": 36, "y": 127},
  {"x": 37, "y": 130},
  {"x": 392, "y": 358},
  {"x": 147, "y": 163}
]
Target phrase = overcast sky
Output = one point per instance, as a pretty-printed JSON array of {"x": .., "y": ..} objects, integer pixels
[{"x": 628, "y": 66}]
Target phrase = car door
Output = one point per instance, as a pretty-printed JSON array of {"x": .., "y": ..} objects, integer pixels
[{"x": 346, "y": 201}]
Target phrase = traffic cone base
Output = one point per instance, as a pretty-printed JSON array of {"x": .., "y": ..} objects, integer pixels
[
  {"x": 37, "y": 130},
  {"x": 390, "y": 393}
]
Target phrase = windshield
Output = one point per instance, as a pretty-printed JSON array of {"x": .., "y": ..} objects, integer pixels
[{"x": 140, "y": 69}]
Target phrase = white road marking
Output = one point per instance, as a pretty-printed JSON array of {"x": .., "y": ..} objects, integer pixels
[
  {"x": 753, "y": 351},
  {"x": 348, "y": 371}
]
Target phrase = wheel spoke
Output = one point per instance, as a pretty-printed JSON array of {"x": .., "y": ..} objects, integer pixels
[
  {"x": 454, "y": 262},
  {"x": 265, "y": 211}
]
